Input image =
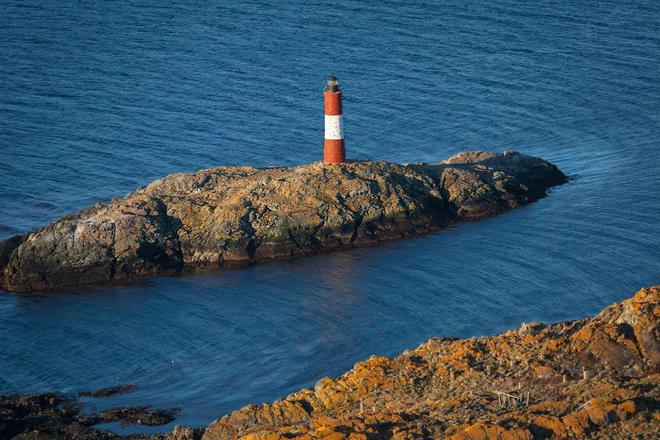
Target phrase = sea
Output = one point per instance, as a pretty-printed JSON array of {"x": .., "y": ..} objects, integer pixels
[{"x": 99, "y": 98}]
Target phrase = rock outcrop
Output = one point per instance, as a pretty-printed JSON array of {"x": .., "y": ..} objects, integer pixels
[
  {"x": 592, "y": 378},
  {"x": 229, "y": 216},
  {"x": 55, "y": 416}
]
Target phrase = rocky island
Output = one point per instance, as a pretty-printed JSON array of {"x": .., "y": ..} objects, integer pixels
[
  {"x": 229, "y": 216},
  {"x": 593, "y": 378}
]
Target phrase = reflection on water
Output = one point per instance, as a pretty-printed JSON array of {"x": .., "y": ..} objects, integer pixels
[{"x": 97, "y": 100}]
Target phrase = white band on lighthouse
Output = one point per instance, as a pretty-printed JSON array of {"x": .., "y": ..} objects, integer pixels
[{"x": 333, "y": 127}]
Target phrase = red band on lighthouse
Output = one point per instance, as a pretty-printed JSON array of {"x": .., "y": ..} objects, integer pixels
[
  {"x": 332, "y": 103},
  {"x": 333, "y": 145}
]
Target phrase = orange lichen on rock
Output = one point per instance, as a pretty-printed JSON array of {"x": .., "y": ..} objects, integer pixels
[
  {"x": 595, "y": 378},
  {"x": 485, "y": 431}
]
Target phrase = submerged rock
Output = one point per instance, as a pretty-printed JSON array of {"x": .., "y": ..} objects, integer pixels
[
  {"x": 523, "y": 384},
  {"x": 109, "y": 391},
  {"x": 230, "y": 216}
]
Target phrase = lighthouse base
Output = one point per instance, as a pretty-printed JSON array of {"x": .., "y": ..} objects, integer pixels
[{"x": 334, "y": 151}]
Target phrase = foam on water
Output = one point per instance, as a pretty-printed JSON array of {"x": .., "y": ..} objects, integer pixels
[{"x": 97, "y": 99}]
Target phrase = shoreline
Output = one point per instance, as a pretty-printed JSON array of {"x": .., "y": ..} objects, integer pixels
[
  {"x": 229, "y": 217},
  {"x": 589, "y": 378},
  {"x": 596, "y": 377}
]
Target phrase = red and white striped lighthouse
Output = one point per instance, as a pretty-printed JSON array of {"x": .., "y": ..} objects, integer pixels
[{"x": 333, "y": 144}]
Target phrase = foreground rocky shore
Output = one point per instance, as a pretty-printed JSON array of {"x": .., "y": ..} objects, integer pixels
[
  {"x": 230, "y": 216},
  {"x": 595, "y": 378},
  {"x": 591, "y": 378}
]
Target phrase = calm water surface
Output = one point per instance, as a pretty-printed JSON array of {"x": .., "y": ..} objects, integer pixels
[{"x": 98, "y": 98}]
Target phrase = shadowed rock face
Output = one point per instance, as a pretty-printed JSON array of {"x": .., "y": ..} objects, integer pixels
[
  {"x": 229, "y": 216},
  {"x": 522, "y": 384}
]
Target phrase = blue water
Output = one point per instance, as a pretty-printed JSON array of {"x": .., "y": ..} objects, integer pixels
[{"x": 98, "y": 98}]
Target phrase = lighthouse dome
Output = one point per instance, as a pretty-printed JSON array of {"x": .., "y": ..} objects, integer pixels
[{"x": 333, "y": 84}]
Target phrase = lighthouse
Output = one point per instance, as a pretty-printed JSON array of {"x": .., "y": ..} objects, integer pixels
[{"x": 333, "y": 144}]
